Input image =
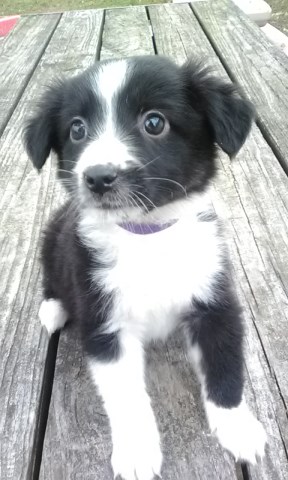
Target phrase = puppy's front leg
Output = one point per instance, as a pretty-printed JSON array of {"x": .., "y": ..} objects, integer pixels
[
  {"x": 135, "y": 437},
  {"x": 215, "y": 337}
]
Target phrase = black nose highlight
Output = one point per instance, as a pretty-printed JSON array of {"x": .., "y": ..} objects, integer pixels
[{"x": 100, "y": 178}]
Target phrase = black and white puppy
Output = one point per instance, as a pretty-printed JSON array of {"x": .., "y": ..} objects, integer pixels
[{"x": 137, "y": 250}]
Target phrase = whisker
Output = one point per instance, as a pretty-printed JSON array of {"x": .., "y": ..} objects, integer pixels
[
  {"x": 168, "y": 180},
  {"x": 65, "y": 179},
  {"x": 69, "y": 182},
  {"x": 147, "y": 198},
  {"x": 70, "y": 161},
  {"x": 67, "y": 171},
  {"x": 72, "y": 207},
  {"x": 149, "y": 163},
  {"x": 141, "y": 201},
  {"x": 133, "y": 201},
  {"x": 159, "y": 187}
]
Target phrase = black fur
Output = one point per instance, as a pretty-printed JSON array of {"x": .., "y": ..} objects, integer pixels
[
  {"x": 67, "y": 266},
  {"x": 227, "y": 113},
  {"x": 216, "y": 327}
]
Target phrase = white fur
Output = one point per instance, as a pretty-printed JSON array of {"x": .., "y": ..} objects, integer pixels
[
  {"x": 135, "y": 437},
  {"x": 148, "y": 305},
  {"x": 52, "y": 315},
  {"x": 237, "y": 430},
  {"x": 106, "y": 149},
  {"x": 111, "y": 78}
]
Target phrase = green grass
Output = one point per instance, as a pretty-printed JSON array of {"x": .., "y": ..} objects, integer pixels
[
  {"x": 279, "y": 14},
  {"x": 11, "y": 7}
]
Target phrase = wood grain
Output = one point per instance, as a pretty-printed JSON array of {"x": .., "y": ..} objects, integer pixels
[
  {"x": 257, "y": 64},
  {"x": 19, "y": 54},
  {"x": 126, "y": 33},
  {"x": 76, "y": 411},
  {"x": 26, "y": 203},
  {"x": 252, "y": 194}
]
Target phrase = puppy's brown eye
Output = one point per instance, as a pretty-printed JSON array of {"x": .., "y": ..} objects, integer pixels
[
  {"x": 77, "y": 130},
  {"x": 154, "y": 123}
]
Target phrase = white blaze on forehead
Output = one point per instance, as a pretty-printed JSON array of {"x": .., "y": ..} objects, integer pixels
[
  {"x": 108, "y": 147},
  {"x": 110, "y": 80}
]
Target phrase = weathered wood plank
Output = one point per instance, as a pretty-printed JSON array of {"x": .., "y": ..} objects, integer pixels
[
  {"x": 26, "y": 202},
  {"x": 118, "y": 41},
  {"x": 19, "y": 55},
  {"x": 252, "y": 193},
  {"x": 189, "y": 450},
  {"x": 257, "y": 64}
]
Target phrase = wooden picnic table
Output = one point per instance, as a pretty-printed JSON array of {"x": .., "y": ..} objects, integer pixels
[{"x": 62, "y": 433}]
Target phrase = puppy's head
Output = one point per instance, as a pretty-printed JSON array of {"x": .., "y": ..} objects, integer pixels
[{"x": 139, "y": 133}]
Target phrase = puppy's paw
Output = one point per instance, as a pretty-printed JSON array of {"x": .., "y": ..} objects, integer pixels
[
  {"x": 137, "y": 458},
  {"x": 238, "y": 431},
  {"x": 52, "y": 315}
]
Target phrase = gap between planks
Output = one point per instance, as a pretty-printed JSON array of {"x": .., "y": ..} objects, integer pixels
[
  {"x": 43, "y": 409},
  {"x": 152, "y": 31}
]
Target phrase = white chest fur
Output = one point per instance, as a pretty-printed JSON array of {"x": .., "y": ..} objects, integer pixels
[{"x": 153, "y": 278}]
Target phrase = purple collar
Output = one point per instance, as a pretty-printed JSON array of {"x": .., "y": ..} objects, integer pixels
[{"x": 146, "y": 228}]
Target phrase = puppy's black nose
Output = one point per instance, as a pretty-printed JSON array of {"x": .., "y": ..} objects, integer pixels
[{"x": 100, "y": 178}]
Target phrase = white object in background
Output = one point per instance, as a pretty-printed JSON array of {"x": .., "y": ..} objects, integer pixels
[
  {"x": 257, "y": 10},
  {"x": 276, "y": 37},
  {"x": 186, "y": 1}
]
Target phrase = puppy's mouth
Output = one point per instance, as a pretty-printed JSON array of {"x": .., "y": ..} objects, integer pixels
[
  {"x": 119, "y": 198},
  {"x": 109, "y": 201}
]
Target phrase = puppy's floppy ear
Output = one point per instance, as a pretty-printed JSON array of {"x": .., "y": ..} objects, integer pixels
[
  {"x": 229, "y": 115},
  {"x": 41, "y": 131}
]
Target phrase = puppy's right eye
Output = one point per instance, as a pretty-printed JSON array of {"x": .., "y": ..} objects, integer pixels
[
  {"x": 154, "y": 124},
  {"x": 78, "y": 130}
]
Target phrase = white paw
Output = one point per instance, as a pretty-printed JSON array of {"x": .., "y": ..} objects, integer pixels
[
  {"x": 137, "y": 457},
  {"x": 52, "y": 315},
  {"x": 238, "y": 431}
]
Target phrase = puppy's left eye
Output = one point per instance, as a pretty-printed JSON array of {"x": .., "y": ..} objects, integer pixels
[
  {"x": 154, "y": 123},
  {"x": 77, "y": 130}
]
